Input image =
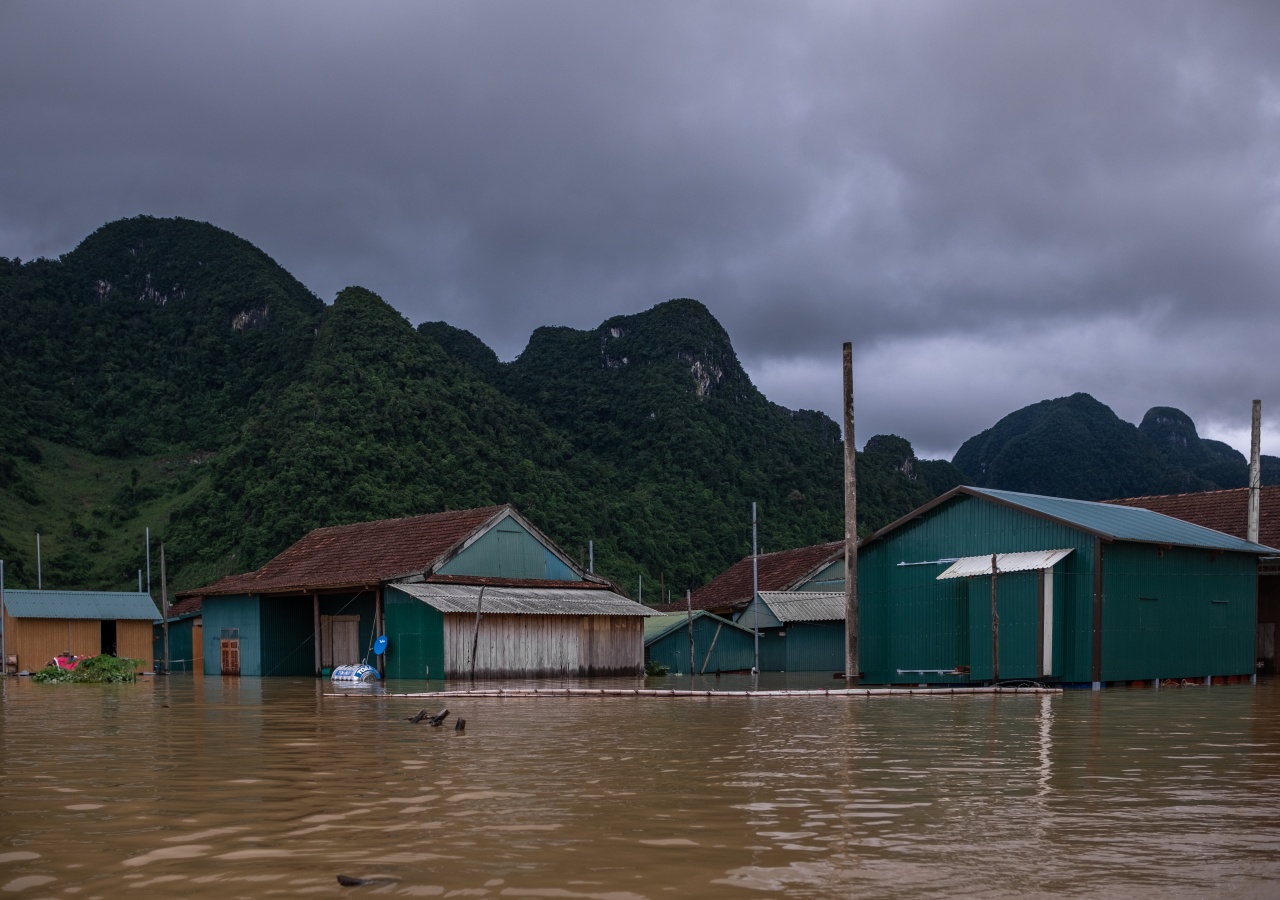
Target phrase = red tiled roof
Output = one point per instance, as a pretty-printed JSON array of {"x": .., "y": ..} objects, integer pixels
[
  {"x": 1225, "y": 511},
  {"x": 780, "y": 571},
  {"x": 362, "y": 554}
]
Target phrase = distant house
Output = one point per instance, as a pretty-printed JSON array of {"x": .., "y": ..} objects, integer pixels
[
  {"x": 800, "y": 605},
  {"x": 322, "y": 602},
  {"x": 816, "y": 568},
  {"x": 1228, "y": 512},
  {"x": 186, "y": 647},
  {"x": 718, "y": 644},
  {"x": 39, "y": 625},
  {"x": 1083, "y": 593},
  {"x": 800, "y": 630}
]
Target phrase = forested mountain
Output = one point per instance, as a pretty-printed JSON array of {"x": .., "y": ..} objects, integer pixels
[
  {"x": 168, "y": 375},
  {"x": 1077, "y": 447}
]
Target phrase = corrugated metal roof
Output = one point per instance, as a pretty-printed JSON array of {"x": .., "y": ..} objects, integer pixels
[
  {"x": 1123, "y": 523},
  {"x": 659, "y": 626},
  {"x": 80, "y": 605},
  {"x": 1005, "y": 562},
  {"x": 805, "y": 606},
  {"x": 541, "y": 601}
]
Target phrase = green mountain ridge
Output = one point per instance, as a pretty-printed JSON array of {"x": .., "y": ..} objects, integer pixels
[{"x": 167, "y": 374}]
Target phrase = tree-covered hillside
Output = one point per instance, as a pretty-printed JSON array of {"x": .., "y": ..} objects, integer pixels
[
  {"x": 168, "y": 375},
  {"x": 1077, "y": 447}
]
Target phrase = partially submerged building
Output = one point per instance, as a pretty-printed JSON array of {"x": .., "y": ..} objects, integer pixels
[
  {"x": 322, "y": 603},
  {"x": 718, "y": 645},
  {"x": 800, "y": 630},
  {"x": 982, "y": 585},
  {"x": 39, "y": 625},
  {"x": 186, "y": 637},
  {"x": 1228, "y": 511}
]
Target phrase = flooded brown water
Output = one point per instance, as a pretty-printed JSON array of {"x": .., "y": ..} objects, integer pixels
[{"x": 230, "y": 788}]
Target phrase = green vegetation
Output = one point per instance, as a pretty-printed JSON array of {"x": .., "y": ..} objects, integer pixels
[
  {"x": 95, "y": 670},
  {"x": 167, "y": 374}
]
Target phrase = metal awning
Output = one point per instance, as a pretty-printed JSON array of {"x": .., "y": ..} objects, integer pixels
[
  {"x": 1029, "y": 561},
  {"x": 462, "y": 598}
]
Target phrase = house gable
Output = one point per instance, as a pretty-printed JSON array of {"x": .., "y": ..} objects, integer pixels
[{"x": 510, "y": 549}]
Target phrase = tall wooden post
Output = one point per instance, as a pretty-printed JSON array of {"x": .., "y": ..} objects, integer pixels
[
  {"x": 852, "y": 673},
  {"x": 1255, "y": 470},
  {"x": 315, "y": 614},
  {"x": 995, "y": 626},
  {"x": 688, "y": 600}
]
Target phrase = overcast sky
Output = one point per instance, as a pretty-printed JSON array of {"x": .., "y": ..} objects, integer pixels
[{"x": 998, "y": 202}]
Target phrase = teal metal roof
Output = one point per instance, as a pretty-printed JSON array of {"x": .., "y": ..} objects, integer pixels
[
  {"x": 80, "y": 605},
  {"x": 658, "y": 627},
  {"x": 1122, "y": 523}
]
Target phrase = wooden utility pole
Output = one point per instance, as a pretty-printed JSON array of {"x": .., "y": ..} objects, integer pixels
[
  {"x": 1255, "y": 470},
  {"x": 852, "y": 673},
  {"x": 164, "y": 607}
]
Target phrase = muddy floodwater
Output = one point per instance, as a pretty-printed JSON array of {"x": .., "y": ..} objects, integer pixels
[{"x": 210, "y": 787}]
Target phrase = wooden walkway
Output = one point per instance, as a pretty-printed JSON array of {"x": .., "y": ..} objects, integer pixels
[{"x": 525, "y": 693}]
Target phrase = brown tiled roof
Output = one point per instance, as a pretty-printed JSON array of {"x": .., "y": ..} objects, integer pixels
[
  {"x": 1225, "y": 511},
  {"x": 780, "y": 571},
  {"x": 354, "y": 555},
  {"x": 184, "y": 607}
]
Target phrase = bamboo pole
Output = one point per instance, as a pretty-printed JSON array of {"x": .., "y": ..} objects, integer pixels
[
  {"x": 475, "y": 637},
  {"x": 531, "y": 693}
]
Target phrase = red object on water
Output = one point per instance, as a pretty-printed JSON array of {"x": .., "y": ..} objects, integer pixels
[{"x": 68, "y": 661}]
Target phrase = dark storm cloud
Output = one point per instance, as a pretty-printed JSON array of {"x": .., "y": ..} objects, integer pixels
[{"x": 998, "y": 202}]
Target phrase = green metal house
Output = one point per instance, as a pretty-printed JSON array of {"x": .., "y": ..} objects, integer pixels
[
  {"x": 1082, "y": 593},
  {"x": 185, "y": 642},
  {"x": 322, "y": 603},
  {"x": 718, "y": 644},
  {"x": 800, "y": 630}
]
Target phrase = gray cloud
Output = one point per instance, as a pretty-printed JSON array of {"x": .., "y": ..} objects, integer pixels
[{"x": 997, "y": 201}]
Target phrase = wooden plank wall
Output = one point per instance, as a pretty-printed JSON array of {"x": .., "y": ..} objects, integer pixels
[
  {"x": 36, "y": 641},
  {"x": 135, "y": 638},
  {"x": 543, "y": 646}
]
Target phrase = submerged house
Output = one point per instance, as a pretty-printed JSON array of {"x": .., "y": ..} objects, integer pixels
[
  {"x": 799, "y": 610},
  {"x": 186, "y": 641},
  {"x": 1228, "y": 511},
  {"x": 39, "y": 625},
  {"x": 983, "y": 585},
  {"x": 801, "y": 630},
  {"x": 718, "y": 645},
  {"x": 425, "y": 582}
]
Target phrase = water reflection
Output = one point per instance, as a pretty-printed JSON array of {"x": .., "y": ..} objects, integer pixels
[{"x": 209, "y": 787}]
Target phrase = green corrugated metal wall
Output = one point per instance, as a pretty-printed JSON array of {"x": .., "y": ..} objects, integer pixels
[
  {"x": 1183, "y": 614},
  {"x": 733, "y": 650},
  {"x": 1018, "y": 600},
  {"x": 180, "y": 655},
  {"x": 509, "y": 551},
  {"x": 288, "y": 636},
  {"x": 240, "y": 613},
  {"x": 910, "y": 620},
  {"x": 831, "y": 578},
  {"x": 814, "y": 647},
  {"x": 416, "y": 637}
]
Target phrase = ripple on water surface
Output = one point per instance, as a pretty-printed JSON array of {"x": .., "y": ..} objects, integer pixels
[{"x": 211, "y": 788}]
